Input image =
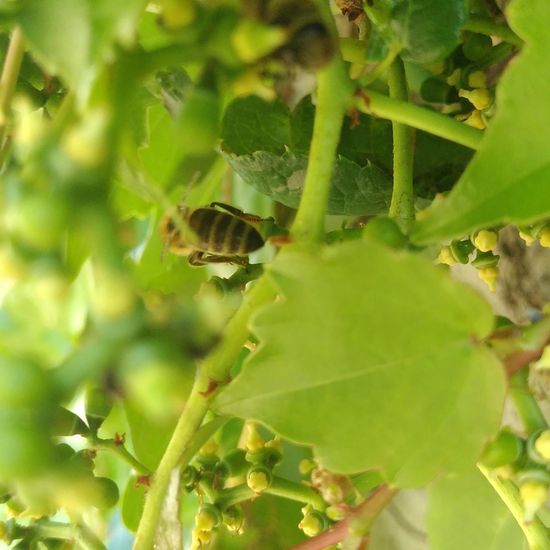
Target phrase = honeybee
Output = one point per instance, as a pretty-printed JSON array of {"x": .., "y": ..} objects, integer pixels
[{"x": 218, "y": 233}]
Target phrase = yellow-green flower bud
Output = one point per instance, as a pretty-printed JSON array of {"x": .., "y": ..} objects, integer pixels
[
  {"x": 505, "y": 472},
  {"x": 258, "y": 479},
  {"x": 207, "y": 518},
  {"x": 200, "y": 539},
  {"x": 477, "y": 79},
  {"x": 475, "y": 120},
  {"x": 336, "y": 512},
  {"x": 233, "y": 519},
  {"x": 275, "y": 444},
  {"x": 253, "y": 39},
  {"x": 332, "y": 493},
  {"x": 489, "y": 275},
  {"x": 544, "y": 237},
  {"x": 254, "y": 440},
  {"x": 436, "y": 68},
  {"x": 446, "y": 256},
  {"x": 486, "y": 240},
  {"x": 479, "y": 98},
  {"x": 177, "y": 13},
  {"x": 313, "y": 523},
  {"x": 306, "y": 465},
  {"x": 454, "y": 78},
  {"x": 528, "y": 239},
  {"x": 533, "y": 495},
  {"x": 542, "y": 444},
  {"x": 544, "y": 362},
  {"x": 209, "y": 448}
]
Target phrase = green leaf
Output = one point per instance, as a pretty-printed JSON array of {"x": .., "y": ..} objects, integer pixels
[
  {"x": 271, "y": 156},
  {"x": 157, "y": 269},
  {"x": 149, "y": 439},
  {"x": 465, "y": 512},
  {"x": 59, "y": 35},
  {"x": 133, "y": 501},
  {"x": 507, "y": 181},
  {"x": 428, "y": 29},
  {"x": 354, "y": 190},
  {"x": 68, "y": 38},
  {"x": 372, "y": 358},
  {"x": 160, "y": 157},
  {"x": 252, "y": 124}
]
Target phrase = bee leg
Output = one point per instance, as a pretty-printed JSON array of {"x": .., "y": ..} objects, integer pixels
[
  {"x": 239, "y": 213},
  {"x": 197, "y": 258},
  {"x": 235, "y": 260}
]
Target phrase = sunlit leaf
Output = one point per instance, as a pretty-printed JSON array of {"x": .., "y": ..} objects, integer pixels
[{"x": 380, "y": 372}]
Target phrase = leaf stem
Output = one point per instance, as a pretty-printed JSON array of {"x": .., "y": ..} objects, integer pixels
[
  {"x": 279, "y": 487},
  {"x": 535, "y": 532},
  {"x": 402, "y": 201},
  {"x": 382, "y": 106},
  {"x": 333, "y": 94},
  {"x": 213, "y": 372},
  {"x": 8, "y": 79},
  {"x": 526, "y": 405},
  {"x": 119, "y": 449},
  {"x": 488, "y": 26}
]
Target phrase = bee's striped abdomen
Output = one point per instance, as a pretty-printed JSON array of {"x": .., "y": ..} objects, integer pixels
[{"x": 222, "y": 233}]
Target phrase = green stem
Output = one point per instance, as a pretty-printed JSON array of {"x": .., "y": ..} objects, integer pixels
[
  {"x": 402, "y": 201},
  {"x": 354, "y": 50},
  {"x": 421, "y": 118},
  {"x": 234, "y": 495},
  {"x": 526, "y": 405},
  {"x": 279, "y": 487},
  {"x": 8, "y": 80},
  {"x": 486, "y": 25},
  {"x": 120, "y": 450},
  {"x": 333, "y": 93},
  {"x": 296, "y": 491},
  {"x": 214, "y": 370},
  {"x": 535, "y": 532},
  {"x": 87, "y": 540}
]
